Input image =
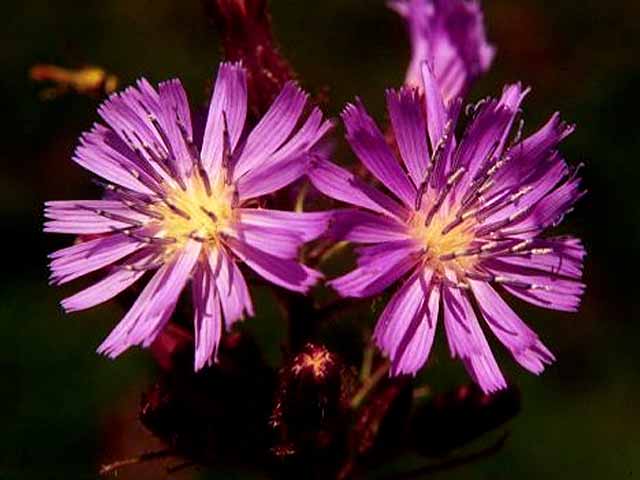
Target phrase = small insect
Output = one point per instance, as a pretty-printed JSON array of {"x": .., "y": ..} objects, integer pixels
[{"x": 88, "y": 80}]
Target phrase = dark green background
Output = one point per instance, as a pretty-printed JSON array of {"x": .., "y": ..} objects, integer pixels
[{"x": 64, "y": 410}]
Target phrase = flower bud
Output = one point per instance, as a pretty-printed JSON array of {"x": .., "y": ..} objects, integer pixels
[{"x": 311, "y": 407}]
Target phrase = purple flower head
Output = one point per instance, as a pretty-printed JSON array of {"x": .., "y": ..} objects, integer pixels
[
  {"x": 463, "y": 224},
  {"x": 186, "y": 209},
  {"x": 450, "y": 35}
]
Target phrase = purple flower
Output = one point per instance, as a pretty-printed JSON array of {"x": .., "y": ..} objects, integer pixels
[
  {"x": 450, "y": 35},
  {"x": 466, "y": 224},
  {"x": 188, "y": 209}
]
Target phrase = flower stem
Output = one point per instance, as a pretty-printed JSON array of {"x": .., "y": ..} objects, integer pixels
[
  {"x": 367, "y": 362},
  {"x": 302, "y": 194},
  {"x": 369, "y": 384}
]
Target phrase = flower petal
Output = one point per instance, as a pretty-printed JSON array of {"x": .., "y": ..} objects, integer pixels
[
  {"x": 514, "y": 334},
  {"x": 130, "y": 114},
  {"x": 451, "y": 35},
  {"x": 467, "y": 342},
  {"x": 152, "y": 309},
  {"x": 369, "y": 145},
  {"x": 90, "y": 216},
  {"x": 409, "y": 128},
  {"x": 376, "y": 272},
  {"x": 338, "y": 183},
  {"x": 531, "y": 157},
  {"x": 415, "y": 346},
  {"x": 279, "y": 242},
  {"x": 176, "y": 116},
  {"x": 273, "y": 130},
  {"x": 115, "y": 282},
  {"x": 73, "y": 262},
  {"x": 539, "y": 288},
  {"x": 311, "y": 138},
  {"x": 270, "y": 179},
  {"x": 306, "y": 225},
  {"x": 103, "y": 153},
  {"x": 207, "y": 320},
  {"x": 486, "y": 136},
  {"x": 435, "y": 107},
  {"x": 234, "y": 294},
  {"x": 286, "y": 273},
  {"x": 365, "y": 227},
  {"x": 407, "y": 325},
  {"x": 563, "y": 256},
  {"x": 229, "y": 101},
  {"x": 547, "y": 212}
]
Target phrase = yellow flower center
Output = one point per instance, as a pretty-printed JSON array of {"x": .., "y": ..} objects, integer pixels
[
  {"x": 444, "y": 247},
  {"x": 201, "y": 211}
]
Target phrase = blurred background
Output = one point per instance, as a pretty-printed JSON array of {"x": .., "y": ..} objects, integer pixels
[{"x": 64, "y": 410}]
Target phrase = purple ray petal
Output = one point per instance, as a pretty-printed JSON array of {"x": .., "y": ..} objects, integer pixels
[
  {"x": 369, "y": 145},
  {"x": 279, "y": 242},
  {"x": 510, "y": 329},
  {"x": 338, "y": 183},
  {"x": 548, "y": 211},
  {"x": 131, "y": 121},
  {"x": 101, "y": 153},
  {"x": 268, "y": 180},
  {"x": 468, "y": 342},
  {"x": 154, "y": 306},
  {"x": 409, "y": 128},
  {"x": 273, "y": 130},
  {"x": 377, "y": 272},
  {"x": 546, "y": 290},
  {"x": 539, "y": 186},
  {"x": 286, "y": 273},
  {"x": 229, "y": 101},
  {"x": 84, "y": 216},
  {"x": 451, "y": 35},
  {"x": 365, "y": 227},
  {"x": 309, "y": 139},
  {"x": 234, "y": 294},
  {"x": 564, "y": 257},
  {"x": 175, "y": 118},
  {"x": 415, "y": 346},
  {"x": 435, "y": 107},
  {"x": 306, "y": 225},
  {"x": 486, "y": 136},
  {"x": 116, "y": 281},
  {"x": 73, "y": 262},
  {"x": 405, "y": 316},
  {"x": 532, "y": 157},
  {"x": 207, "y": 320}
]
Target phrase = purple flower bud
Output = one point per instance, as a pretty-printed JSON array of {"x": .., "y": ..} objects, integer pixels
[{"x": 450, "y": 36}]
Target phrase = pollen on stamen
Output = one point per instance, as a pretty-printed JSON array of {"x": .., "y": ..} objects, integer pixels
[
  {"x": 445, "y": 247},
  {"x": 201, "y": 212}
]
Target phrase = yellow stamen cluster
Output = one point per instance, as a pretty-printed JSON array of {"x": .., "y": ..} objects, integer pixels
[
  {"x": 201, "y": 211},
  {"x": 438, "y": 244}
]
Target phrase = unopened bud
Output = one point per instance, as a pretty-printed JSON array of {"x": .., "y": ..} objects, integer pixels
[{"x": 311, "y": 405}]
